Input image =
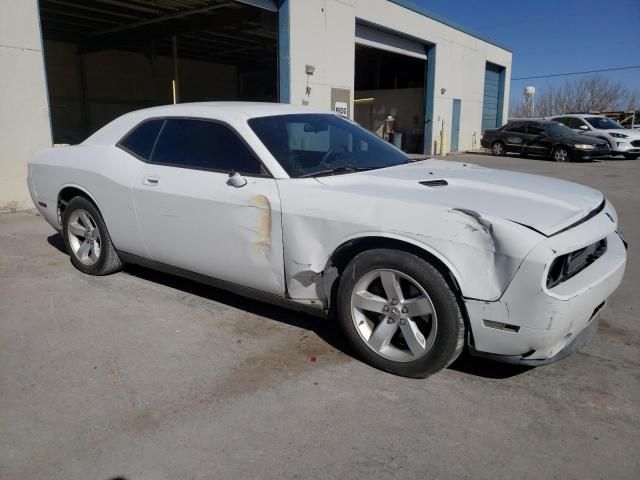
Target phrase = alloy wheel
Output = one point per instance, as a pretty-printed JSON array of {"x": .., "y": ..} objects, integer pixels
[
  {"x": 394, "y": 315},
  {"x": 560, "y": 155},
  {"x": 84, "y": 237}
]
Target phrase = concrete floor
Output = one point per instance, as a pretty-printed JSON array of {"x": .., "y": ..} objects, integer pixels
[{"x": 145, "y": 376}]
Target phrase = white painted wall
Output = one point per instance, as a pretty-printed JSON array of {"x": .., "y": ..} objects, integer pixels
[
  {"x": 24, "y": 111},
  {"x": 323, "y": 35}
]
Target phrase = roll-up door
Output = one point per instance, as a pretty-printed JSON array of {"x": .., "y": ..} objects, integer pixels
[
  {"x": 266, "y": 4},
  {"x": 370, "y": 37},
  {"x": 492, "y": 97}
]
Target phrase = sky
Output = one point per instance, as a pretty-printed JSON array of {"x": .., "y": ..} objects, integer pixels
[{"x": 548, "y": 37}]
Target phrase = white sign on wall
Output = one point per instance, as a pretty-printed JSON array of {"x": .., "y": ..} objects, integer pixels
[{"x": 341, "y": 108}]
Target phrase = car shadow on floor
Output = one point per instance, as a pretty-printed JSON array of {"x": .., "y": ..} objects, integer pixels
[
  {"x": 325, "y": 328},
  {"x": 482, "y": 367}
]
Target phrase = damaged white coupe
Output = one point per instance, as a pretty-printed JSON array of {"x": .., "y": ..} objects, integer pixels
[{"x": 417, "y": 259}]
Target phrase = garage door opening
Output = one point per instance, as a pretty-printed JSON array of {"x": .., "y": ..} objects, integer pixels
[
  {"x": 390, "y": 81},
  {"x": 105, "y": 58}
]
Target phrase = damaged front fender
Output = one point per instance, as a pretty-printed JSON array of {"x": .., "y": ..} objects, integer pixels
[{"x": 481, "y": 253}]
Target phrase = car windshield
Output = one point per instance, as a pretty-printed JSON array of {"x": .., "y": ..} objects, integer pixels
[
  {"x": 323, "y": 144},
  {"x": 603, "y": 123},
  {"x": 556, "y": 128}
]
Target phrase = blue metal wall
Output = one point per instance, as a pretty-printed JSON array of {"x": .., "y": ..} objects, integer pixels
[
  {"x": 284, "y": 63},
  {"x": 493, "y": 96}
]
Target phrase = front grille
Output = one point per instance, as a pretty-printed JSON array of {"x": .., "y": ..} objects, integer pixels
[
  {"x": 570, "y": 264},
  {"x": 636, "y": 143}
]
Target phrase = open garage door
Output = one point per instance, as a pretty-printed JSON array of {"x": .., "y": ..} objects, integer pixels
[
  {"x": 390, "y": 81},
  {"x": 108, "y": 57}
]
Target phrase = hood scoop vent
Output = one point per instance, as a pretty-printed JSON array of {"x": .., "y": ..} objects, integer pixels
[{"x": 434, "y": 183}]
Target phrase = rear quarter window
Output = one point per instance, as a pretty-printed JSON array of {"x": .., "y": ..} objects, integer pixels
[{"x": 141, "y": 139}]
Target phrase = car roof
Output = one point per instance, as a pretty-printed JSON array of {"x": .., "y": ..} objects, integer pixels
[
  {"x": 220, "y": 109},
  {"x": 533, "y": 120},
  {"x": 580, "y": 115},
  {"x": 229, "y": 112}
]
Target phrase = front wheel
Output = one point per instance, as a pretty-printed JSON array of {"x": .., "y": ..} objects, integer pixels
[
  {"x": 561, "y": 154},
  {"x": 631, "y": 156},
  {"x": 399, "y": 313},
  {"x": 87, "y": 239}
]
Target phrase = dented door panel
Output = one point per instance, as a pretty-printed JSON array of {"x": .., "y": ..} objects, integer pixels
[{"x": 197, "y": 221}]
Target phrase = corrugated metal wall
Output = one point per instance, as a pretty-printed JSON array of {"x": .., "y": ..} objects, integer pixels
[{"x": 492, "y": 97}]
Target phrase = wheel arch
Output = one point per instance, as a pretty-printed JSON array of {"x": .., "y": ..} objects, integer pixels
[
  {"x": 561, "y": 145},
  {"x": 350, "y": 248},
  {"x": 66, "y": 193}
]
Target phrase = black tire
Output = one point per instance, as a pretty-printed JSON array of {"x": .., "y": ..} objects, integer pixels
[
  {"x": 561, "y": 154},
  {"x": 498, "y": 149},
  {"x": 449, "y": 337},
  {"x": 631, "y": 156},
  {"x": 108, "y": 260}
]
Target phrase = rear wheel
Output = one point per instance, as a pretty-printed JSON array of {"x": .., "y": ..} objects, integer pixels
[
  {"x": 561, "y": 154},
  {"x": 87, "y": 239},
  {"x": 497, "y": 148},
  {"x": 399, "y": 313}
]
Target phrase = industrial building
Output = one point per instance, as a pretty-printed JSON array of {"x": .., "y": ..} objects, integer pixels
[{"x": 69, "y": 67}]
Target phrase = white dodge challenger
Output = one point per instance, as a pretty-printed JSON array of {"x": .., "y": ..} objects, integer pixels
[{"x": 417, "y": 259}]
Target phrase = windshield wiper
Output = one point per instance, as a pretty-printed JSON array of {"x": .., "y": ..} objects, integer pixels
[{"x": 336, "y": 171}]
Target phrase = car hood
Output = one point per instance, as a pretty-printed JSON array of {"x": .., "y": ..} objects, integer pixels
[
  {"x": 544, "y": 204},
  {"x": 632, "y": 134},
  {"x": 581, "y": 138}
]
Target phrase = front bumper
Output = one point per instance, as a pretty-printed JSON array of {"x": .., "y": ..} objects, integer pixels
[
  {"x": 621, "y": 145},
  {"x": 532, "y": 324},
  {"x": 580, "y": 340},
  {"x": 579, "y": 154}
]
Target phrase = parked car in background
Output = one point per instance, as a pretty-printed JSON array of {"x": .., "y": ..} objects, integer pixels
[
  {"x": 307, "y": 209},
  {"x": 543, "y": 138},
  {"x": 622, "y": 141}
]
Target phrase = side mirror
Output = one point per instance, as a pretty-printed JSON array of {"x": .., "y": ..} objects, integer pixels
[
  {"x": 236, "y": 180},
  {"x": 584, "y": 128}
]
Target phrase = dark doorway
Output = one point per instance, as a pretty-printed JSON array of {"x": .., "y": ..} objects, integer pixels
[
  {"x": 105, "y": 58},
  {"x": 389, "y": 83}
]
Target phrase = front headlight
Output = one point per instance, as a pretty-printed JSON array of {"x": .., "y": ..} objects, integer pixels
[
  {"x": 584, "y": 146},
  {"x": 618, "y": 135}
]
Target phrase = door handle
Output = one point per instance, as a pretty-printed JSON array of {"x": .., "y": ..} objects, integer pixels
[{"x": 151, "y": 181}]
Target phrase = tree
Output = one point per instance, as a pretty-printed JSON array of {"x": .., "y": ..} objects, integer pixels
[{"x": 595, "y": 93}]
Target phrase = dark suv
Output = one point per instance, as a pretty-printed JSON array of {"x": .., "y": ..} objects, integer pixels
[{"x": 544, "y": 138}]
